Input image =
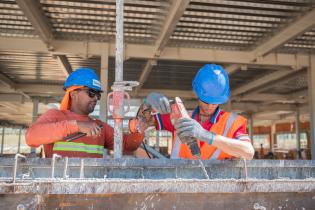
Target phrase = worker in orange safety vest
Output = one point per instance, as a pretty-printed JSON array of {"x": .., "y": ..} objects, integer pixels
[{"x": 221, "y": 135}]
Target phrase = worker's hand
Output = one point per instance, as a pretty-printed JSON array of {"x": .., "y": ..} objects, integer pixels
[
  {"x": 89, "y": 127},
  {"x": 158, "y": 102},
  {"x": 187, "y": 127}
]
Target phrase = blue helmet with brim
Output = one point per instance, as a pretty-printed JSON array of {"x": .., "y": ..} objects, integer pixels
[
  {"x": 83, "y": 77},
  {"x": 211, "y": 84}
]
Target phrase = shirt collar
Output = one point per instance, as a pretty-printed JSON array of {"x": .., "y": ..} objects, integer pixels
[{"x": 214, "y": 119}]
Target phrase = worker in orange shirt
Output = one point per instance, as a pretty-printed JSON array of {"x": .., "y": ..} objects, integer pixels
[
  {"x": 83, "y": 90},
  {"x": 221, "y": 135}
]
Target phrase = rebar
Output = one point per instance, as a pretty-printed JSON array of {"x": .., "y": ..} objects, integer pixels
[
  {"x": 16, "y": 165},
  {"x": 53, "y": 164}
]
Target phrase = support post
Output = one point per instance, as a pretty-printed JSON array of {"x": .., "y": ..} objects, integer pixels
[
  {"x": 311, "y": 99},
  {"x": 2, "y": 140},
  {"x": 157, "y": 140},
  {"x": 273, "y": 137},
  {"x": 104, "y": 81},
  {"x": 118, "y": 95},
  {"x": 297, "y": 133},
  {"x": 34, "y": 118}
]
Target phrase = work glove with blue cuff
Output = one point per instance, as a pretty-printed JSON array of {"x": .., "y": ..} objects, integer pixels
[
  {"x": 187, "y": 127},
  {"x": 158, "y": 102}
]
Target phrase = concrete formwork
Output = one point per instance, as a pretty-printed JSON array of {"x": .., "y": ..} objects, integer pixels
[{"x": 157, "y": 184}]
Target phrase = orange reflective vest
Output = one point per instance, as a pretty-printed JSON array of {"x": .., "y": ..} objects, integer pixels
[{"x": 227, "y": 125}]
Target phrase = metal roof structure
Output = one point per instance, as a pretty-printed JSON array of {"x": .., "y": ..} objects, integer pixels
[{"x": 264, "y": 45}]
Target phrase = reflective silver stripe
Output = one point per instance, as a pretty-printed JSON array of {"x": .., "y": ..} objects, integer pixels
[
  {"x": 244, "y": 137},
  {"x": 228, "y": 125},
  {"x": 215, "y": 154},
  {"x": 176, "y": 148}
]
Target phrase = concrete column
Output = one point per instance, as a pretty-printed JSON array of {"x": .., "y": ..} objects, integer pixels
[
  {"x": 19, "y": 143},
  {"x": 157, "y": 140},
  {"x": 273, "y": 139},
  {"x": 2, "y": 140},
  {"x": 311, "y": 99},
  {"x": 297, "y": 133},
  {"x": 34, "y": 117},
  {"x": 104, "y": 81}
]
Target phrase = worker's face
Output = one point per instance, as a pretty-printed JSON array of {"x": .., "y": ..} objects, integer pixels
[
  {"x": 85, "y": 99},
  {"x": 207, "y": 109}
]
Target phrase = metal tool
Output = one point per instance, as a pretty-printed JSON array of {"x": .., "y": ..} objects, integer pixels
[
  {"x": 178, "y": 111},
  {"x": 76, "y": 135}
]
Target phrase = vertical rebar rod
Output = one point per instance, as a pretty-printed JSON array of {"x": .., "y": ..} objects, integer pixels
[
  {"x": 245, "y": 168},
  {"x": 16, "y": 165},
  {"x": 53, "y": 161},
  {"x": 118, "y": 95},
  {"x": 82, "y": 169},
  {"x": 65, "y": 168}
]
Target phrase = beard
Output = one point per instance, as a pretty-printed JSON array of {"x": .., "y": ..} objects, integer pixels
[{"x": 90, "y": 107}]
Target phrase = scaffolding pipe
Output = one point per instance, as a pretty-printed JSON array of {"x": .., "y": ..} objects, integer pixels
[{"x": 118, "y": 95}]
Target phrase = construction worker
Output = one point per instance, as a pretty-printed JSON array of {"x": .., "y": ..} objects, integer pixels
[
  {"x": 83, "y": 90},
  {"x": 221, "y": 135}
]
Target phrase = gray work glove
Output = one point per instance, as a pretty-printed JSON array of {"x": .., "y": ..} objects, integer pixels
[
  {"x": 187, "y": 127},
  {"x": 158, "y": 102}
]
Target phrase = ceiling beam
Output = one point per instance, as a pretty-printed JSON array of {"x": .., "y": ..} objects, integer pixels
[
  {"x": 56, "y": 90},
  {"x": 34, "y": 13},
  {"x": 64, "y": 64},
  {"x": 262, "y": 97},
  {"x": 11, "y": 97},
  {"x": 144, "y": 74},
  {"x": 167, "y": 92},
  {"x": 147, "y": 52},
  {"x": 176, "y": 11},
  {"x": 262, "y": 81},
  {"x": 232, "y": 68},
  {"x": 7, "y": 82},
  {"x": 293, "y": 30},
  {"x": 19, "y": 99},
  {"x": 47, "y": 89},
  {"x": 298, "y": 27}
]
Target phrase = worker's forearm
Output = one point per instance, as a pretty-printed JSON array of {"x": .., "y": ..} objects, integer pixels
[
  {"x": 46, "y": 133},
  {"x": 132, "y": 141},
  {"x": 234, "y": 147}
]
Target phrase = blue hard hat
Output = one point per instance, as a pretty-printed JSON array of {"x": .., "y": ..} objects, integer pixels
[
  {"x": 211, "y": 84},
  {"x": 83, "y": 77}
]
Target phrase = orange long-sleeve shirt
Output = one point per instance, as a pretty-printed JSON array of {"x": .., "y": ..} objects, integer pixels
[{"x": 54, "y": 125}]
